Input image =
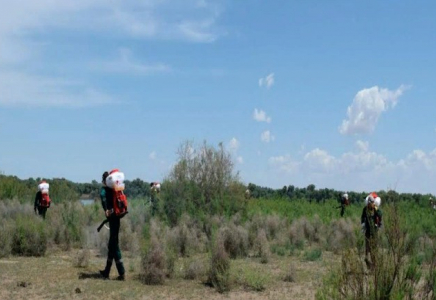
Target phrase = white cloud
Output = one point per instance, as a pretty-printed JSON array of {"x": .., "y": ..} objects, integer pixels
[
  {"x": 367, "y": 107},
  {"x": 363, "y": 161},
  {"x": 362, "y": 170},
  {"x": 319, "y": 160},
  {"x": 284, "y": 163},
  {"x": 240, "y": 160},
  {"x": 267, "y": 137},
  {"x": 25, "y": 38},
  {"x": 142, "y": 19},
  {"x": 419, "y": 159},
  {"x": 125, "y": 63},
  {"x": 20, "y": 89},
  {"x": 260, "y": 116},
  {"x": 268, "y": 81},
  {"x": 152, "y": 155},
  {"x": 234, "y": 145},
  {"x": 362, "y": 146},
  {"x": 198, "y": 31}
]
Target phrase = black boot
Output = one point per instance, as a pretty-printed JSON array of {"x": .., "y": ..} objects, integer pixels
[
  {"x": 107, "y": 270},
  {"x": 121, "y": 271}
]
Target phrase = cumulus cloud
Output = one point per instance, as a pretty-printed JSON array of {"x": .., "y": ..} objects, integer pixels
[
  {"x": 284, "y": 163},
  {"x": 260, "y": 116},
  {"x": 362, "y": 145},
  {"x": 363, "y": 161},
  {"x": 368, "y": 105},
  {"x": 419, "y": 159},
  {"x": 267, "y": 137},
  {"x": 268, "y": 81},
  {"x": 359, "y": 170},
  {"x": 319, "y": 160}
]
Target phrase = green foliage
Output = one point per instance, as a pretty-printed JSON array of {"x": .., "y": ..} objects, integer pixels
[
  {"x": 254, "y": 279},
  {"x": 194, "y": 269},
  {"x": 234, "y": 239},
  {"x": 311, "y": 194},
  {"x": 313, "y": 255},
  {"x": 29, "y": 237},
  {"x": 6, "y": 231},
  {"x": 202, "y": 183},
  {"x": 261, "y": 247},
  {"x": 219, "y": 272},
  {"x": 394, "y": 272}
]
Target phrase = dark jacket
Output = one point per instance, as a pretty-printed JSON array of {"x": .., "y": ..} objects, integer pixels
[
  {"x": 38, "y": 199},
  {"x": 372, "y": 220},
  {"x": 106, "y": 196}
]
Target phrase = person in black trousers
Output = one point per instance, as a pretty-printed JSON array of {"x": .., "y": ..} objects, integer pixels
[
  {"x": 344, "y": 202},
  {"x": 41, "y": 210},
  {"x": 114, "y": 252},
  {"x": 371, "y": 220}
]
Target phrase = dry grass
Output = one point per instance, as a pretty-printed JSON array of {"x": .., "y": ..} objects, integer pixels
[
  {"x": 235, "y": 240},
  {"x": 219, "y": 272},
  {"x": 290, "y": 275},
  {"x": 81, "y": 259},
  {"x": 194, "y": 269},
  {"x": 154, "y": 265},
  {"x": 61, "y": 280},
  {"x": 261, "y": 247}
]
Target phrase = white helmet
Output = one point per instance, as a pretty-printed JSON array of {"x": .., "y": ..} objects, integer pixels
[
  {"x": 369, "y": 199},
  {"x": 377, "y": 201},
  {"x": 345, "y": 196}
]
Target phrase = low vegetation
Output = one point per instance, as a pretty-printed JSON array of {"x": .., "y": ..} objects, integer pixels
[{"x": 205, "y": 231}]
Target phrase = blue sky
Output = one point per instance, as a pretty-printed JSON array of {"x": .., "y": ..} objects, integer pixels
[{"x": 336, "y": 93}]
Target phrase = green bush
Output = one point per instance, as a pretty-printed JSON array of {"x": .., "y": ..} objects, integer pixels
[
  {"x": 29, "y": 237},
  {"x": 254, "y": 279},
  {"x": 5, "y": 238},
  {"x": 313, "y": 255},
  {"x": 154, "y": 264},
  {"x": 194, "y": 269},
  {"x": 261, "y": 247},
  {"x": 219, "y": 272},
  {"x": 234, "y": 239},
  {"x": 202, "y": 182},
  {"x": 394, "y": 272},
  {"x": 66, "y": 223}
]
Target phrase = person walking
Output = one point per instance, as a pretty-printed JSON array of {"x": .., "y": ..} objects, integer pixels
[
  {"x": 114, "y": 252},
  {"x": 42, "y": 199},
  {"x": 344, "y": 202},
  {"x": 371, "y": 221}
]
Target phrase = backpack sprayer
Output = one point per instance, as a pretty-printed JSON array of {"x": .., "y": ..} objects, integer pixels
[{"x": 115, "y": 181}]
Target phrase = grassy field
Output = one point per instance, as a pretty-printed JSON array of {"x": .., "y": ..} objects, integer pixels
[
  {"x": 54, "y": 276},
  {"x": 276, "y": 249}
]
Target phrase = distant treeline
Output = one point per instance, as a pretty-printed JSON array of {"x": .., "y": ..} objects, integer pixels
[
  {"x": 61, "y": 189},
  {"x": 310, "y": 193}
]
